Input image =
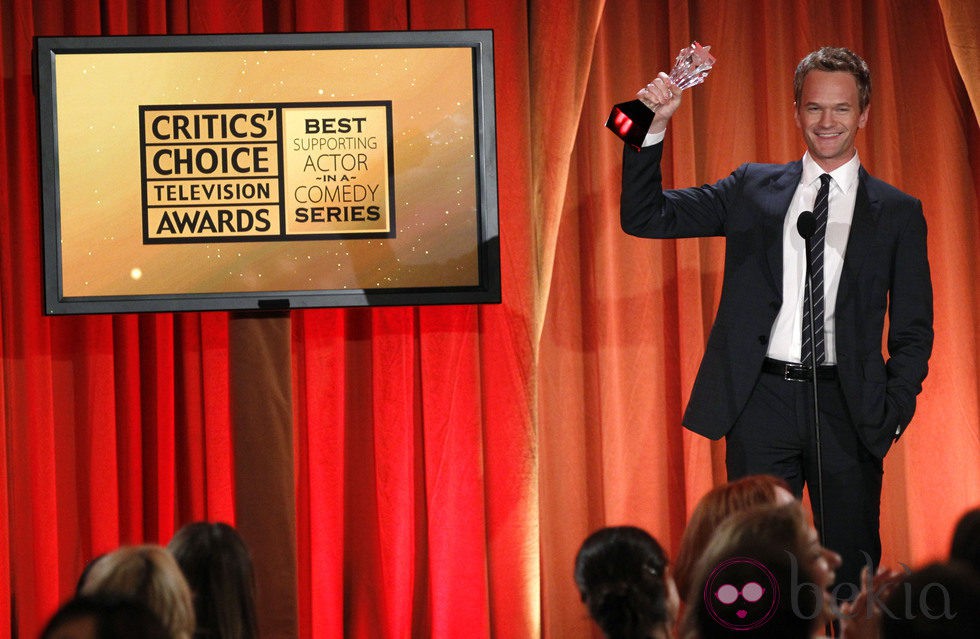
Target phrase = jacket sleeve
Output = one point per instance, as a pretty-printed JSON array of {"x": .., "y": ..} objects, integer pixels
[
  {"x": 646, "y": 210},
  {"x": 910, "y": 315}
]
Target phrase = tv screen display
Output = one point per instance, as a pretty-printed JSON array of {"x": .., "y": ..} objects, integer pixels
[{"x": 274, "y": 171}]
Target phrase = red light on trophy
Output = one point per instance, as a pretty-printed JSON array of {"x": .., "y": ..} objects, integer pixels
[{"x": 630, "y": 121}]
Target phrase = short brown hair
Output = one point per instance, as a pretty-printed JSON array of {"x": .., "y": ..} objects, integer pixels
[{"x": 835, "y": 59}]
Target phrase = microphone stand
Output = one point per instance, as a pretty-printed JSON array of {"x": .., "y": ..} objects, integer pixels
[{"x": 806, "y": 231}]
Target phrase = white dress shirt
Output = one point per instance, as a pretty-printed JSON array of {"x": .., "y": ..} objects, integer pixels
[{"x": 786, "y": 336}]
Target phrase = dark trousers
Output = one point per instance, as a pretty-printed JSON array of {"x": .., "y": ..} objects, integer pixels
[{"x": 775, "y": 435}]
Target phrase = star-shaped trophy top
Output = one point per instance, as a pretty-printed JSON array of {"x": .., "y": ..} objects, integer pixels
[{"x": 692, "y": 65}]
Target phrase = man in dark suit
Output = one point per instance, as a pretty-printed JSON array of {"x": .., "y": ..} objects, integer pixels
[{"x": 754, "y": 386}]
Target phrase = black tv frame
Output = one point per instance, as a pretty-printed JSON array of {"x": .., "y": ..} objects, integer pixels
[{"x": 47, "y": 51}]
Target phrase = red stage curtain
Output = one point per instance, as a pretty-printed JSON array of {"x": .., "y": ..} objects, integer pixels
[{"x": 448, "y": 460}]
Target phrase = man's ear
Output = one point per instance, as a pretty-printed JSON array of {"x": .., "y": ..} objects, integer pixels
[{"x": 863, "y": 118}]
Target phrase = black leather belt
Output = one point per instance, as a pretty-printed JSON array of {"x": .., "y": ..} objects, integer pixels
[{"x": 797, "y": 372}]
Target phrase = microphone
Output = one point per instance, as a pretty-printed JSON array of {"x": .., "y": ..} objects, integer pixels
[{"x": 806, "y": 224}]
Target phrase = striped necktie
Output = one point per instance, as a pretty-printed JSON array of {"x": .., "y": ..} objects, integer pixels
[{"x": 816, "y": 348}]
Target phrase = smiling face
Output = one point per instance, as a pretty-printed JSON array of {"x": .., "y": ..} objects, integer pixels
[{"x": 829, "y": 115}]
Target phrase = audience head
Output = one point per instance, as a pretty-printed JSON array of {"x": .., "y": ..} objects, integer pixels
[
  {"x": 218, "y": 567},
  {"x": 938, "y": 601},
  {"x": 149, "y": 574},
  {"x": 104, "y": 617},
  {"x": 715, "y": 507},
  {"x": 763, "y": 571},
  {"x": 623, "y": 579},
  {"x": 966, "y": 540},
  {"x": 84, "y": 574}
]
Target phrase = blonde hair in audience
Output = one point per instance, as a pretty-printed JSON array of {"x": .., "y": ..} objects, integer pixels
[{"x": 148, "y": 573}]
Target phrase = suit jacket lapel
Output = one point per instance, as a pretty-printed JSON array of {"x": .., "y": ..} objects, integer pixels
[
  {"x": 866, "y": 212},
  {"x": 781, "y": 190}
]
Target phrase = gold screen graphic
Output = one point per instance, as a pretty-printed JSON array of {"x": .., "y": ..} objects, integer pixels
[{"x": 255, "y": 171}]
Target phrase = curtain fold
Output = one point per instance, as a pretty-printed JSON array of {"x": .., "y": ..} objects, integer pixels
[
  {"x": 448, "y": 461},
  {"x": 962, "y": 22},
  {"x": 562, "y": 36}
]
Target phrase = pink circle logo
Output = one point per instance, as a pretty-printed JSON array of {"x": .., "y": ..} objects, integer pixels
[{"x": 741, "y": 594}]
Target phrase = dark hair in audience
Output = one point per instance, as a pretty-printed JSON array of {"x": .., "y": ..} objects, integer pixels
[
  {"x": 938, "y": 601},
  {"x": 966, "y": 540},
  {"x": 762, "y": 546},
  {"x": 713, "y": 508},
  {"x": 111, "y": 618},
  {"x": 218, "y": 566},
  {"x": 620, "y": 572}
]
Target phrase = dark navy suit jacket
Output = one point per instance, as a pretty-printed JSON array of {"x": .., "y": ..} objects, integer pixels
[{"x": 886, "y": 269}]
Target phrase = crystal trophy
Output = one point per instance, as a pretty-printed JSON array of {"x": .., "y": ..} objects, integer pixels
[{"x": 631, "y": 120}]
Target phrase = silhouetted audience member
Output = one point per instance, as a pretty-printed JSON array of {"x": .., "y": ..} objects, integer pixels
[
  {"x": 625, "y": 583},
  {"x": 150, "y": 574},
  {"x": 713, "y": 508},
  {"x": 764, "y": 574},
  {"x": 966, "y": 540},
  {"x": 218, "y": 567},
  {"x": 104, "y": 617},
  {"x": 938, "y": 601}
]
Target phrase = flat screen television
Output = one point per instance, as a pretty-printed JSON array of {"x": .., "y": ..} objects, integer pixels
[{"x": 267, "y": 171}]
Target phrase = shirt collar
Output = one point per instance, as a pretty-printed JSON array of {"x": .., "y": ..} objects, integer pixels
[{"x": 845, "y": 176}]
